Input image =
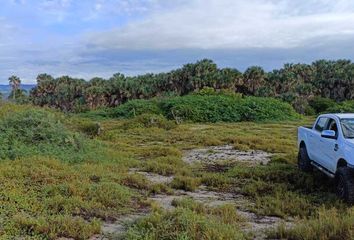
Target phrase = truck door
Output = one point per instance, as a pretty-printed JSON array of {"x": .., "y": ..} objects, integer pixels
[
  {"x": 314, "y": 139},
  {"x": 329, "y": 147}
]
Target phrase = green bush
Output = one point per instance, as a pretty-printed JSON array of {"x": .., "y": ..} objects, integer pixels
[
  {"x": 98, "y": 114},
  {"x": 208, "y": 106},
  {"x": 320, "y": 104},
  {"x": 149, "y": 120},
  {"x": 264, "y": 109},
  {"x": 343, "y": 107},
  {"x": 86, "y": 126},
  {"x": 135, "y": 108},
  {"x": 226, "y": 109},
  {"x": 34, "y": 132},
  {"x": 202, "y": 108},
  {"x": 206, "y": 91},
  {"x": 309, "y": 111}
]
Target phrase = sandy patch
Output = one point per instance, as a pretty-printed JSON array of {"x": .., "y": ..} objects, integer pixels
[{"x": 212, "y": 155}]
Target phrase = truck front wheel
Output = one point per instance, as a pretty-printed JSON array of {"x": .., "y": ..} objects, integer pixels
[
  {"x": 345, "y": 184},
  {"x": 304, "y": 161}
]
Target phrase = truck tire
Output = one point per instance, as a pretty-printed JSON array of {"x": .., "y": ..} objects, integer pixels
[
  {"x": 304, "y": 162},
  {"x": 345, "y": 184}
]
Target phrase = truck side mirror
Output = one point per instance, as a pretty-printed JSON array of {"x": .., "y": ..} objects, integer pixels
[{"x": 329, "y": 134}]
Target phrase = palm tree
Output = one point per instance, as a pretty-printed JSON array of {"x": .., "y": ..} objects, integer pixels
[
  {"x": 254, "y": 78},
  {"x": 15, "y": 83}
]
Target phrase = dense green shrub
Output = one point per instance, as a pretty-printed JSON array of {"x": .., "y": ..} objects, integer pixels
[
  {"x": 206, "y": 91},
  {"x": 208, "y": 107},
  {"x": 35, "y": 131},
  {"x": 89, "y": 128},
  {"x": 320, "y": 104},
  {"x": 226, "y": 109},
  {"x": 343, "y": 107},
  {"x": 98, "y": 114},
  {"x": 134, "y": 108},
  {"x": 149, "y": 120},
  {"x": 202, "y": 108},
  {"x": 262, "y": 109},
  {"x": 309, "y": 111}
]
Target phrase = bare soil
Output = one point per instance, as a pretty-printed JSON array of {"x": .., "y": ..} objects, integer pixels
[
  {"x": 216, "y": 154},
  {"x": 210, "y": 156}
]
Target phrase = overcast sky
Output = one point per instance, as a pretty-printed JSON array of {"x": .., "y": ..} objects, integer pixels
[{"x": 101, "y": 37}]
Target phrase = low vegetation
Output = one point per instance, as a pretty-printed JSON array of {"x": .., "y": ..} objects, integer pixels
[
  {"x": 190, "y": 220},
  {"x": 65, "y": 175},
  {"x": 327, "y": 224}
]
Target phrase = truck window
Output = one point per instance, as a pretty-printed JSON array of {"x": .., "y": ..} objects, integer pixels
[
  {"x": 321, "y": 124},
  {"x": 332, "y": 125},
  {"x": 348, "y": 127}
]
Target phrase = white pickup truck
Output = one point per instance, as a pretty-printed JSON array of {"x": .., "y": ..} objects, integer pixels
[{"x": 329, "y": 146}]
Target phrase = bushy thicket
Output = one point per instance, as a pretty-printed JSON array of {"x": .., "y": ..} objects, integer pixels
[
  {"x": 326, "y": 105},
  {"x": 147, "y": 120},
  {"x": 320, "y": 104},
  {"x": 33, "y": 132},
  {"x": 226, "y": 109},
  {"x": 135, "y": 108},
  {"x": 210, "y": 108},
  {"x": 343, "y": 107}
]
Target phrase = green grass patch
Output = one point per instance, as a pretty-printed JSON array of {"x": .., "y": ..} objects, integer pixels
[
  {"x": 185, "y": 183},
  {"x": 190, "y": 220},
  {"x": 327, "y": 224}
]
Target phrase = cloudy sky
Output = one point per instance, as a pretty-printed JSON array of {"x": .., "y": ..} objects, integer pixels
[{"x": 101, "y": 37}]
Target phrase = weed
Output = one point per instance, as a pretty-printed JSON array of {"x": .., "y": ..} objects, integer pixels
[
  {"x": 190, "y": 220},
  {"x": 216, "y": 180},
  {"x": 185, "y": 183},
  {"x": 327, "y": 224}
]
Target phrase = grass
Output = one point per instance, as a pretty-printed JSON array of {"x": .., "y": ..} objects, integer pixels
[
  {"x": 48, "y": 195},
  {"x": 185, "y": 183},
  {"x": 327, "y": 224},
  {"x": 38, "y": 191},
  {"x": 190, "y": 220}
]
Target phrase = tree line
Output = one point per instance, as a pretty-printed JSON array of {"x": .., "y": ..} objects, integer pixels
[{"x": 293, "y": 83}]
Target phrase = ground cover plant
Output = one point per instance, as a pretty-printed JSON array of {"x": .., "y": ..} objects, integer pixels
[{"x": 51, "y": 189}]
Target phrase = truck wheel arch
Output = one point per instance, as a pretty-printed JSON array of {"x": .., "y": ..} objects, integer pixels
[
  {"x": 342, "y": 163},
  {"x": 302, "y": 144}
]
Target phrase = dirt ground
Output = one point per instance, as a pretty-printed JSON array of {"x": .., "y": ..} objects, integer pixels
[{"x": 206, "y": 156}]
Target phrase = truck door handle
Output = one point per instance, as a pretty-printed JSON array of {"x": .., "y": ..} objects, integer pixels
[{"x": 336, "y": 147}]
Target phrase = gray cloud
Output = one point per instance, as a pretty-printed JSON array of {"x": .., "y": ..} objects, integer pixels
[
  {"x": 211, "y": 24},
  {"x": 87, "y": 63}
]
